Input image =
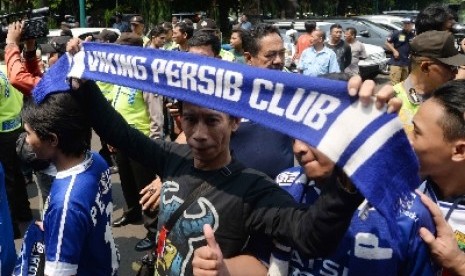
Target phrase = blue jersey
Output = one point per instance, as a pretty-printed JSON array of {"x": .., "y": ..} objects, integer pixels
[
  {"x": 7, "y": 246},
  {"x": 78, "y": 235},
  {"x": 31, "y": 260},
  {"x": 365, "y": 249}
]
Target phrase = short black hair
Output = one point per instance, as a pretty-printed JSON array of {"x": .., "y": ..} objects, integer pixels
[
  {"x": 250, "y": 43},
  {"x": 352, "y": 30},
  {"x": 205, "y": 38},
  {"x": 334, "y": 26},
  {"x": 185, "y": 28},
  {"x": 310, "y": 26},
  {"x": 241, "y": 32},
  {"x": 66, "y": 32},
  {"x": 157, "y": 31},
  {"x": 451, "y": 96},
  {"x": 433, "y": 18},
  {"x": 167, "y": 26},
  {"x": 60, "y": 114}
]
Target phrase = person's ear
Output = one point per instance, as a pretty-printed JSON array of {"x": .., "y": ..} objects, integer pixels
[
  {"x": 53, "y": 139},
  {"x": 424, "y": 66},
  {"x": 248, "y": 58},
  {"x": 235, "y": 121},
  {"x": 458, "y": 151}
]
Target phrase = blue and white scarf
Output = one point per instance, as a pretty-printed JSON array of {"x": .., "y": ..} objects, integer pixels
[{"x": 369, "y": 144}]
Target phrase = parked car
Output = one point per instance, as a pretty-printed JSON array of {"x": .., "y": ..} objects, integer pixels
[
  {"x": 390, "y": 22},
  {"x": 81, "y": 33},
  {"x": 367, "y": 32},
  {"x": 375, "y": 63},
  {"x": 403, "y": 13}
]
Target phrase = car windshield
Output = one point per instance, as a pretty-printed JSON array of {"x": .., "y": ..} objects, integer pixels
[{"x": 376, "y": 27}]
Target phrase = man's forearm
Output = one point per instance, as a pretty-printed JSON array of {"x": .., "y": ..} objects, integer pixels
[
  {"x": 245, "y": 265},
  {"x": 17, "y": 73},
  {"x": 390, "y": 46}
]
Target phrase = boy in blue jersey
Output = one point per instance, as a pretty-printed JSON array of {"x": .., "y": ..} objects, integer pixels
[
  {"x": 366, "y": 248},
  {"x": 77, "y": 231}
]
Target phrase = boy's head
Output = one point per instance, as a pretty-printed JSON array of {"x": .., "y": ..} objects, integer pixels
[
  {"x": 57, "y": 125},
  {"x": 439, "y": 131}
]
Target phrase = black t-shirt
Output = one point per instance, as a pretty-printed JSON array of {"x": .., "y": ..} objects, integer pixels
[{"x": 343, "y": 53}]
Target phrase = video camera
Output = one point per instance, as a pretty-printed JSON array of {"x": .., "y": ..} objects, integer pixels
[
  {"x": 35, "y": 22},
  {"x": 459, "y": 31}
]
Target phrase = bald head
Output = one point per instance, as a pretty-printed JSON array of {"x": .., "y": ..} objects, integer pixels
[{"x": 319, "y": 37}]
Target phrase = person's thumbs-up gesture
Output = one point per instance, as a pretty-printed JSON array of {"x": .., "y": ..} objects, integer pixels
[{"x": 208, "y": 260}]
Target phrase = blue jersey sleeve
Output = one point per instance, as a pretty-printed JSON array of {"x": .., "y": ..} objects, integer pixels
[
  {"x": 65, "y": 235},
  {"x": 418, "y": 260}
]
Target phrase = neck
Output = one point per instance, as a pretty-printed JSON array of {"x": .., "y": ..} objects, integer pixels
[
  {"x": 332, "y": 42},
  {"x": 216, "y": 164},
  {"x": 451, "y": 184},
  {"x": 420, "y": 85},
  {"x": 318, "y": 47},
  {"x": 239, "y": 50},
  {"x": 183, "y": 46},
  {"x": 64, "y": 162}
]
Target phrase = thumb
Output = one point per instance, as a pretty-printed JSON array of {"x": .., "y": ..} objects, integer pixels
[{"x": 209, "y": 236}]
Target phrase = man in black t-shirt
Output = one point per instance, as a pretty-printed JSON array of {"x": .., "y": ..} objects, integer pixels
[{"x": 339, "y": 46}]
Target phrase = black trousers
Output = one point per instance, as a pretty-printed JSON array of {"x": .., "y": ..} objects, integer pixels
[
  {"x": 134, "y": 177},
  {"x": 14, "y": 179}
]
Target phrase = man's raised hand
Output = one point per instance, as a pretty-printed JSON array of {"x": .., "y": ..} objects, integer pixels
[{"x": 208, "y": 259}]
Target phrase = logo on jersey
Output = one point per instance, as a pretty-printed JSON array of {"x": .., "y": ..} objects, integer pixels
[{"x": 287, "y": 178}]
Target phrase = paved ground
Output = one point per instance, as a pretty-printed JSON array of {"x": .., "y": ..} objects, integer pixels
[{"x": 127, "y": 236}]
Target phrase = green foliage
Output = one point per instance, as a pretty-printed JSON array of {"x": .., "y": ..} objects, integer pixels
[{"x": 155, "y": 11}]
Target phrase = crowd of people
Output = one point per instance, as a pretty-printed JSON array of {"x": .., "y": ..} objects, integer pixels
[{"x": 263, "y": 215}]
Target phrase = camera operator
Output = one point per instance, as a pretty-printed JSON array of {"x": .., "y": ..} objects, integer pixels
[
  {"x": 24, "y": 73},
  {"x": 439, "y": 17}
]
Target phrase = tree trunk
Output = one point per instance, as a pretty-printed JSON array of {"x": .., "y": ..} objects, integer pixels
[{"x": 341, "y": 8}]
